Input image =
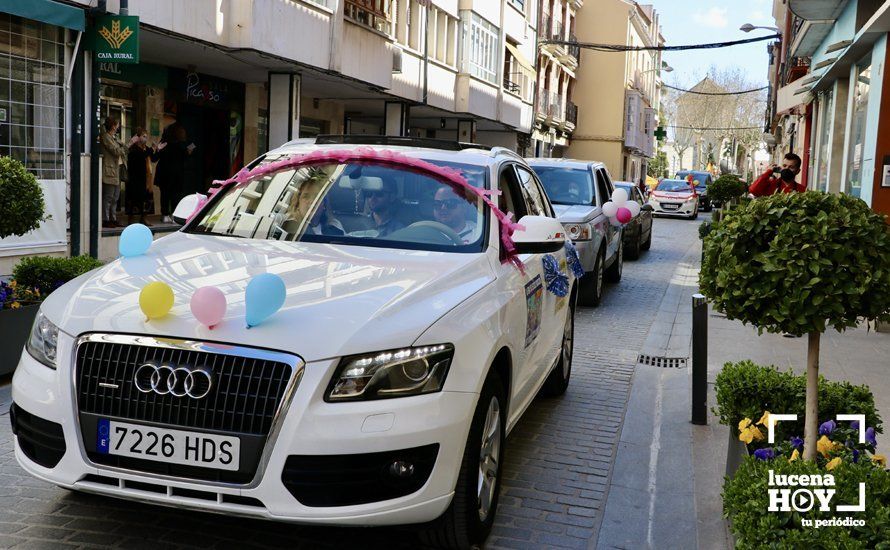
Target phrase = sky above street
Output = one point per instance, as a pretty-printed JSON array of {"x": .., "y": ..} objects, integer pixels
[{"x": 705, "y": 21}]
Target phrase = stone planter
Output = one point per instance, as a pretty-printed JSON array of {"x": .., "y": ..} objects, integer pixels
[
  {"x": 736, "y": 451},
  {"x": 15, "y": 326}
]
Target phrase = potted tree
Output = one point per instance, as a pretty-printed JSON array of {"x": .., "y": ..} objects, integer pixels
[
  {"x": 800, "y": 263},
  {"x": 724, "y": 190}
]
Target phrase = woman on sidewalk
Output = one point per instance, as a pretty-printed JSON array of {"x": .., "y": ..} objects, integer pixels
[
  {"x": 113, "y": 153},
  {"x": 171, "y": 169},
  {"x": 139, "y": 188}
]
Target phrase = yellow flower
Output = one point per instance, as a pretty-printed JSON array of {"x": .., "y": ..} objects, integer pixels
[
  {"x": 744, "y": 423},
  {"x": 794, "y": 456},
  {"x": 749, "y": 434},
  {"x": 764, "y": 420},
  {"x": 15, "y": 305},
  {"x": 880, "y": 460},
  {"x": 825, "y": 446},
  {"x": 833, "y": 463}
]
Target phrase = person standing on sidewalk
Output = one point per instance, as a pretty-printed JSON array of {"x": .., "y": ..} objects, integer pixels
[
  {"x": 139, "y": 187},
  {"x": 170, "y": 175},
  {"x": 113, "y": 153},
  {"x": 767, "y": 184}
]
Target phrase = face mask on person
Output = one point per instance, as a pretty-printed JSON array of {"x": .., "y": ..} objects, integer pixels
[{"x": 788, "y": 175}]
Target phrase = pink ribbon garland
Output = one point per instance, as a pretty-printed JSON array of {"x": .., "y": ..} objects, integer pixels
[{"x": 451, "y": 176}]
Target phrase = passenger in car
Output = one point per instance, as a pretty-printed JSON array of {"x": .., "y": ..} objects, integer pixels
[
  {"x": 322, "y": 222},
  {"x": 450, "y": 210},
  {"x": 384, "y": 206}
]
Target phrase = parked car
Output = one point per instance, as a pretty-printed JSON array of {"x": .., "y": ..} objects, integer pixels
[
  {"x": 703, "y": 179},
  {"x": 638, "y": 233},
  {"x": 578, "y": 189},
  {"x": 381, "y": 393},
  {"x": 674, "y": 198}
]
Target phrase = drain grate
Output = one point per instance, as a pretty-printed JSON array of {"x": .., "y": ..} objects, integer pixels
[{"x": 663, "y": 362}]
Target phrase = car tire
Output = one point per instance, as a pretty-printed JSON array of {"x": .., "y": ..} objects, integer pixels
[
  {"x": 590, "y": 288},
  {"x": 463, "y": 525},
  {"x": 633, "y": 251},
  {"x": 613, "y": 273},
  {"x": 558, "y": 381},
  {"x": 694, "y": 215},
  {"x": 648, "y": 242}
]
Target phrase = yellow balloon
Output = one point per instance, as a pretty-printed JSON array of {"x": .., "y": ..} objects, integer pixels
[{"x": 156, "y": 299}]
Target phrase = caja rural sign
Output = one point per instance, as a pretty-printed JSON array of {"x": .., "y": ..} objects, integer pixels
[{"x": 117, "y": 38}]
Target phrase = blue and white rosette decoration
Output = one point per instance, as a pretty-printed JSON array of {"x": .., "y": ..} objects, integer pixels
[
  {"x": 557, "y": 281},
  {"x": 574, "y": 260}
]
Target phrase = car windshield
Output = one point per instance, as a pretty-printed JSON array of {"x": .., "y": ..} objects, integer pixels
[
  {"x": 566, "y": 185},
  {"x": 353, "y": 203},
  {"x": 673, "y": 186}
]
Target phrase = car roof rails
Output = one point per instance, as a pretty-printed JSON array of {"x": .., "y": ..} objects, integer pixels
[{"x": 404, "y": 141}]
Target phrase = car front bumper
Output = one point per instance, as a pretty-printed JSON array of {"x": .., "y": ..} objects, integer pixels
[
  {"x": 663, "y": 208},
  {"x": 310, "y": 427}
]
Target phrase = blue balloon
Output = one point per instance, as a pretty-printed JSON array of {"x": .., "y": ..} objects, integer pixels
[
  {"x": 264, "y": 296},
  {"x": 135, "y": 240}
]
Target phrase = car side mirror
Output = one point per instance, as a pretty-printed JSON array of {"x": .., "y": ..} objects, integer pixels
[
  {"x": 647, "y": 208},
  {"x": 541, "y": 235},
  {"x": 187, "y": 206}
]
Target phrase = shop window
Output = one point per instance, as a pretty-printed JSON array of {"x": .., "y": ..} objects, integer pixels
[
  {"x": 824, "y": 147},
  {"x": 31, "y": 95},
  {"x": 855, "y": 155}
]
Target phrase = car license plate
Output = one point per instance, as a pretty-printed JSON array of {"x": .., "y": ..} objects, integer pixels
[
  {"x": 670, "y": 206},
  {"x": 165, "y": 445}
]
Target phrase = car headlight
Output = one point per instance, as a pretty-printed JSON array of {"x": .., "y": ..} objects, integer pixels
[
  {"x": 394, "y": 373},
  {"x": 578, "y": 231},
  {"x": 43, "y": 342}
]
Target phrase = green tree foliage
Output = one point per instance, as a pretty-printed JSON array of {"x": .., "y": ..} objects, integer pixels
[{"x": 21, "y": 199}]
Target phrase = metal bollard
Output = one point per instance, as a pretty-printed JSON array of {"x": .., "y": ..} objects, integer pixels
[{"x": 699, "y": 359}]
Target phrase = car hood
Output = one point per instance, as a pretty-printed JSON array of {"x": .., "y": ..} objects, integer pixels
[
  {"x": 575, "y": 213},
  {"x": 671, "y": 195},
  {"x": 340, "y": 300}
]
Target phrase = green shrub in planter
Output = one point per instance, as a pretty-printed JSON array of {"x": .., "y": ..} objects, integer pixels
[
  {"x": 46, "y": 273},
  {"x": 22, "y": 206},
  {"x": 746, "y": 503},
  {"x": 799, "y": 263},
  {"x": 746, "y": 390},
  {"x": 726, "y": 188}
]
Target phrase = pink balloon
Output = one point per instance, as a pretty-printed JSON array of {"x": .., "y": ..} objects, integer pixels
[
  {"x": 623, "y": 215},
  {"x": 208, "y": 305}
]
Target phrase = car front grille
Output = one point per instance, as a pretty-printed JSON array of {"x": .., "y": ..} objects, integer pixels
[{"x": 247, "y": 390}]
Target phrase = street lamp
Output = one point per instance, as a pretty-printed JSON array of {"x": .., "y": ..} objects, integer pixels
[{"x": 748, "y": 27}]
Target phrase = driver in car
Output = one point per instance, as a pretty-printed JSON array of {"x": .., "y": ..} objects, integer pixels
[
  {"x": 384, "y": 205},
  {"x": 451, "y": 210}
]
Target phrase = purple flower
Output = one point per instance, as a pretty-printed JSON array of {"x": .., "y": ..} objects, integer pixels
[
  {"x": 855, "y": 455},
  {"x": 854, "y": 424},
  {"x": 797, "y": 443},
  {"x": 870, "y": 437},
  {"x": 765, "y": 454},
  {"x": 827, "y": 427}
]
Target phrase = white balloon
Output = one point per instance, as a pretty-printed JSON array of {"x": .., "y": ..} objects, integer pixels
[
  {"x": 634, "y": 207},
  {"x": 610, "y": 209},
  {"x": 619, "y": 197}
]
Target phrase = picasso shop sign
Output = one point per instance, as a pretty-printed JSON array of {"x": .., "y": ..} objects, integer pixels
[{"x": 117, "y": 39}]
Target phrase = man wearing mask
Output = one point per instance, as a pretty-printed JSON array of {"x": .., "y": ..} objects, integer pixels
[{"x": 767, "y": 184}]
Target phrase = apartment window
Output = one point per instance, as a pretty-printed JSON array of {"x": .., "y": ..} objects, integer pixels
[
  {"x": 324, "y": 3},
  {"x": 826, "y": 107},
  {"x": 855, "y": 155},
  {"x": 370, "y": 13},
  {"x": 480, "y": 57},
  {"x": 31, "y": 96}
]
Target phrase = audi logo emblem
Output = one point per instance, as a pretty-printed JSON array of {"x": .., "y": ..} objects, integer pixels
[{"x": 194, "y": 382}]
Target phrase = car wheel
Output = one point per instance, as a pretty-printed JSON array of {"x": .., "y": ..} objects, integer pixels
[
  {"x": 648, "y": 242},
  {"x": 633, "y": 251},
  {"x": 558, "y": 381},
  {"x": 468, "y": 520},
  {"x": 590, "y": 289},
  {"x": 613, "y": 274}
]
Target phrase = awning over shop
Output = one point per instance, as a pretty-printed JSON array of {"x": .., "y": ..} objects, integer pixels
[
  {"x": 46, "y": 11},
  {"x": 524, "y": 63}
]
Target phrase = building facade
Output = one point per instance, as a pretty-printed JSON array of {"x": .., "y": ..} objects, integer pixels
[
  {"x": 618, "y": 109},
  {"x": 829, "y": 89},
  {"x": 246, "y": 76},
  {"x": 555, "y": 113}
]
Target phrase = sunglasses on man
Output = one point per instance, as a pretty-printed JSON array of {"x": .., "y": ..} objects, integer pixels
[{"x": 449, "y": 204}]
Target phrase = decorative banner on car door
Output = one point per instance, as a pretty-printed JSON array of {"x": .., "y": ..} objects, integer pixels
[{"x": 534, "y": 297}]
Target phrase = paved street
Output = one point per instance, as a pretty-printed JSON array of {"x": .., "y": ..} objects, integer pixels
[{"x": 556, "y": 476}]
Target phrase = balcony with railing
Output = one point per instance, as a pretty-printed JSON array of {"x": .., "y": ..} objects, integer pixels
[
  {"x": 542, "y": 107},
  {"x": 571, "y": 113},
  {"x": 574, "y": 49},
  {"x": 556, "y": 106}
]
